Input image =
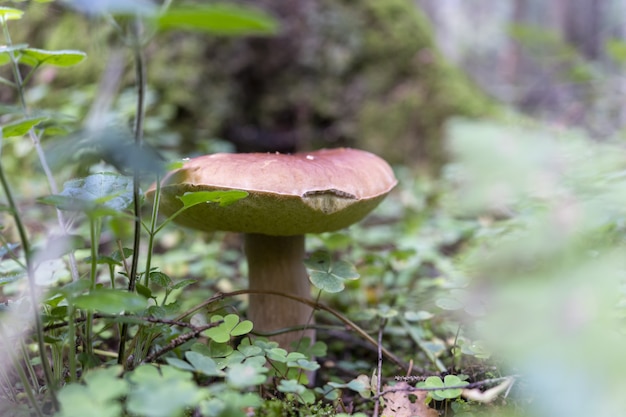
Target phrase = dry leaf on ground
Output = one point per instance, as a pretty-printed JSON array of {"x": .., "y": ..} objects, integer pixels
[{"x": 404, "y": 402}]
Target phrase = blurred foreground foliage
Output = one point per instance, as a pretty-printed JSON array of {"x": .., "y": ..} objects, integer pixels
[{"x": 548, "y": 263}]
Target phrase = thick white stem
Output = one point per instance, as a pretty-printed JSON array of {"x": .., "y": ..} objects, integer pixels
[{"x": 276, "y": 263}]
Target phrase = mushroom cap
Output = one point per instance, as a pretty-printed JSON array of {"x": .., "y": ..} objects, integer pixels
[{"x": 289, "y": 194}]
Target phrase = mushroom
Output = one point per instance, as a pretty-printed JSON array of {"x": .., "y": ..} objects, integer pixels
[{"x": 290, "y": 195}]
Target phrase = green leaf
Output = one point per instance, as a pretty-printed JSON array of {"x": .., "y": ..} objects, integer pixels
[
  {"x": 317, "y": 349},
  {"x": 448, "y": 381},
  {"x": 245, "y": 375},
  {"x": 214, "y": 350},
  {"x": 433, "y": 382},
  {"x": 98, "y": 397},
  {"x": 111, "y": 301},
  {"x": 161, "y": 392},
  {"x": 218, "y": 19},
  {"x": 20, "y": 127},
  {"x": 231, "y": 327},
  {"x": 293, "y": 357},
  {"x": 277, "y": 354},
  {"x": 184, "y": 283},
  {"x": 291, "y": 386},
  {"x": 449, "y": 303},
  {"x": 114, "y": 144},
  {"x": 328, "y": 275},
  {"x": 180, "y": 364},
  {"x": 249, "y": 350},
  {"x": 218, "y": 334},
  {"x": 305, "y": 364},
  {"x": 230, "y": 403},
  {"x": 418, "y": 315},
  {"x": 241, "y": 328},
  {"x": 361, "y": 385},
  {"x": 9, "y": 13},
  {"x": 8, "y": 277},
  {"x": 174, "y": 165},
  {"x": 160, "y": 279},
  {"x": 452, "y": 381},
  {"x": 98, "y": 194},
  {"x": 144, "y": 291},
  {"x": 116, "y": 257},
  {"x": 386, "y": 312},
  {"x": 203, "y": 364},
  {"x": 224, "y": 198},
  {"x": 5, "y": 56},
  {"x": 124, "y": 254},
  {"x": 74, "y": 288},
  {"x": 64, "y": 58}
]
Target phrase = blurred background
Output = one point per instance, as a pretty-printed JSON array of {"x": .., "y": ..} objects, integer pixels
[
  {"x": 560, "y": 60},
  {"x": 384, "y": 76}
]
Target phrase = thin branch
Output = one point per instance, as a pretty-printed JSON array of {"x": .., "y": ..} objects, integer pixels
[
  {"x": 126, "y": 319},
  {"x": 477, "y": 384},
  {"x": 319, "y": 306},
  {"x": 180, "y": 340},
  {"x": 379, "y": 370}
]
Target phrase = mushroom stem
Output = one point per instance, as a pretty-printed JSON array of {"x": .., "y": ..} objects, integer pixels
[{"x": 276, "y": 263}]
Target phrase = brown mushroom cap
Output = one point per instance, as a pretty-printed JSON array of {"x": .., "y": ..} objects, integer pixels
[{"x": 289, "y": 194}]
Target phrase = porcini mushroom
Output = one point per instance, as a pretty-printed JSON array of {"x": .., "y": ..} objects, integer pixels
[{"x": 290, "y": 195}]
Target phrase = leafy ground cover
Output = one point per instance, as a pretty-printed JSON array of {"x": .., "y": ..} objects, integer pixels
[{"x": 494, "y": 290}]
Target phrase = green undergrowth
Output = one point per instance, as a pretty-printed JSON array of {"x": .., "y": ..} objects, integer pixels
[
  {"x": 496, "y": 290},
  {"x": 128, "y": 315}
]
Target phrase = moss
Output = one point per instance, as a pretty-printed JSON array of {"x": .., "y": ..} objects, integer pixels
[
  {"x": 403, "y": 119},
  {"x": 288, "y": 407}
]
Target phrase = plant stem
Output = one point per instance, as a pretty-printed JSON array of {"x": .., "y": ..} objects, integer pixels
[
  {"x": 140, "y": 74},
  {"x": 379, "y": 368},
  {"x": 29, "y": 367},
  {"x": 140, "y": 80},
  {"x": 71, "y": 332},
  {"x": 94, "y": 236},
  {"x": 152, "y": 232}
]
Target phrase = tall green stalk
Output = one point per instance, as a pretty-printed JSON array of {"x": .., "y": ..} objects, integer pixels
[
  {"x": 94, "y": 235},
  {"x": 140, "y": 79},
  {"x": 152, "y": 231}
]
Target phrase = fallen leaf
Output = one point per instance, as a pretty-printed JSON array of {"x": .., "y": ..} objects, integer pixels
[{"x": 402, "y": 400}]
